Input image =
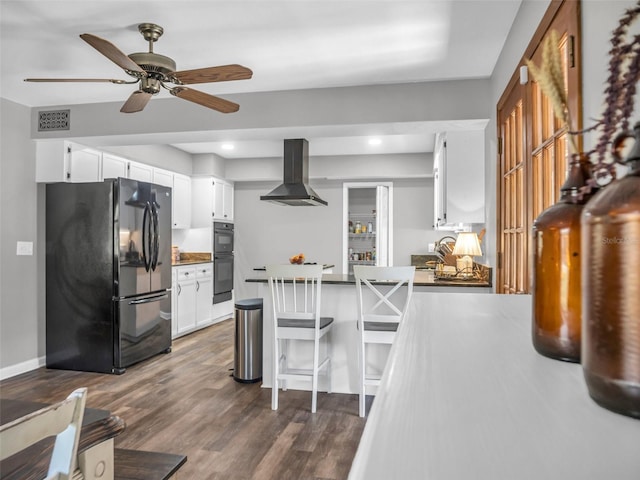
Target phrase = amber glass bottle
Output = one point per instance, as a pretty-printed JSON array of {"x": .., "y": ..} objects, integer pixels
[
  {"x": 556, "y": 264},
  {"x": 611, "y": 282}
]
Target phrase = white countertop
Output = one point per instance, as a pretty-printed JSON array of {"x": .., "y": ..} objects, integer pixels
[{"x": 465, "y": 396}]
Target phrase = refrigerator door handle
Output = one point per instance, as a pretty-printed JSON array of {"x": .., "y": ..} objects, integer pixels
[
  {"x": 146, "y": 232},
  {"x": 155, "y": 241},
  {"x": 155, "y": 298}
]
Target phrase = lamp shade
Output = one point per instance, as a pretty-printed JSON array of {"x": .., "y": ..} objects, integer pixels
[{"x": 467, "y": 243}]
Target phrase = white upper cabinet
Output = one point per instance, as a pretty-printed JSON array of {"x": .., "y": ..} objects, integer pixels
[
  {"x": 63, "y": 161},
  {"x": 197, "y": 201},
  {"x": 227, "y": 200},
  {"x": 113, "y": 166},
  {"x": 140, "y": 172},
  {"x": 202, "y": 201},
  {"x": 212, "y": 199},
  {"x": 162, "y": 177},
  {"x": 458, "y": 179},
  {"x": 181, "y": 201}
]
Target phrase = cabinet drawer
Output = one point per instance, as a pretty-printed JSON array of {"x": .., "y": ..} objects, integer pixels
[
  {"x": 186, "y": 273},
  {"x": 204, "y": 270}
]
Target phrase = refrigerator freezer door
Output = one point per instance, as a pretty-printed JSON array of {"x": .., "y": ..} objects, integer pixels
[{"x": 143, "y": 328}]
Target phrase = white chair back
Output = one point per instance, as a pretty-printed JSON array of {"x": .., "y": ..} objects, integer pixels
[
  {"x": 62, "y": 420},
  {"x": 296, "y": 293},
  {"x": 387, "y": 302}
]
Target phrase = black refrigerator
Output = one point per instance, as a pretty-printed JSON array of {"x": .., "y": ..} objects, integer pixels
[{"x": 108, "y": 274}]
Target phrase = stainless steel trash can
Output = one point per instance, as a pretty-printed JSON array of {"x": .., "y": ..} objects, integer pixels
[{"x": 247, "y": 359}]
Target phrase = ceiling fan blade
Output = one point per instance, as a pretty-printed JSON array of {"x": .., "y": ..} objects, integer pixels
[
  {"x": 112, "y": 52},
  {"x": 110, "y": 80},
  {"x": 136, "y": 102},
  {"x": 204, "y": 99},
  {"x": 222, "y": 73}
]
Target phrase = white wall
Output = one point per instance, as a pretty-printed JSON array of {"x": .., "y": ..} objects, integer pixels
[
  {"x": 21, "y": 334},
  {"x": 599, "y": 18},
  {"x": 267, "y": 233}
]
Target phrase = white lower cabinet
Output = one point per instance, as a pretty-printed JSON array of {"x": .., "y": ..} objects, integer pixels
[
  {"x": 192, "y": 298},
  {"x": 185, "y": 299},
  {"x": 204, "y": 293},
  {"x": 174, "y": 302}
]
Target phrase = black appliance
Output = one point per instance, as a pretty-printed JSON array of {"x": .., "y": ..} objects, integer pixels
[
  {"x": 108, "y": 274},
  {"x": 295, "y": 190},
  {"x": 222, "y": 262}
]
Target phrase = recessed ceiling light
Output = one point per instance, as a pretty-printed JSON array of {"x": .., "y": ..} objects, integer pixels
[
  {"x": 228, "y": 146},
  {"x": 375, "y": 141}
]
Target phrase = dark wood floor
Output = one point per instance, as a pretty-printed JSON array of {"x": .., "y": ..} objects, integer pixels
[{"x": 186, "y": 402}]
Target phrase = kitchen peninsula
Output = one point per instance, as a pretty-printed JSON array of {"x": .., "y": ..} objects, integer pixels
[
  {"x": 339, "y": 302},
  {"x": 465, "y": 395}
]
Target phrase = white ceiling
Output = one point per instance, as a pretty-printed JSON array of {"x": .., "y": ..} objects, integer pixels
[{"x": 293, "y": 44}]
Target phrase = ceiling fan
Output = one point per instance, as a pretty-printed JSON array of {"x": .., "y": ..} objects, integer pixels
[{"x": 153, "y": 71}]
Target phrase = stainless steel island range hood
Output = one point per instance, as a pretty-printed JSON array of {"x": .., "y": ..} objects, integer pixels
[{"x": 295, "y": 191}]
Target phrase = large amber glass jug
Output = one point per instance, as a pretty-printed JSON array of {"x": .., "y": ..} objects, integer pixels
[
  {"x": 556, "y": 285},
  {"x": 611, "y": 295}
]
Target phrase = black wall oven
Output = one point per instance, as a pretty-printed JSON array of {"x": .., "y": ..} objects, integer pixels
[
  {"x": 222, "y": 238},
  {"x": 222, "y": 262}
]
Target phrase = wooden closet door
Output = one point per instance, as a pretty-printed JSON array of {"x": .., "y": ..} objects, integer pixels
[
  {"x": 533, "y": 148},
  {"x": 512, "y": 196}
]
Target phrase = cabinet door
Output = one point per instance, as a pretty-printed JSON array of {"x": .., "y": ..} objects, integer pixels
[
  {"x": 113, "y": 167},
  {"x": 463, "y": 171},
  {"x": 63, "y": 161},
  {"x": 186, "y": 305},
  {"x": 84, "y": 164},
  {"x": 174, "y": 302},
  {"x": 162, "y": 177},
  {"x": 218, "y": 199},
  {"x": 181, "y": 201},
  {"x": 202, "y": 199},
  {"x": 227, "y": 201},
  {"x": 140, "y": 172},
  {"x": 204, "y": 295},
  {"x": 439, "y": 175}
]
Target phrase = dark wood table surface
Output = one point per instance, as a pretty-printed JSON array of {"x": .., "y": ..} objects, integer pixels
[{"x": 31, "y": 463}]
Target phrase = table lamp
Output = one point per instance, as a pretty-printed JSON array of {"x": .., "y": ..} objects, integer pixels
[{"x": 467, "y": 246}]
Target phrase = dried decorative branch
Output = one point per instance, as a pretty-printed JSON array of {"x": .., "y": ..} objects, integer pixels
[
  {"x": 550, "y": 78},
  {"x": 624, "y": 73}
]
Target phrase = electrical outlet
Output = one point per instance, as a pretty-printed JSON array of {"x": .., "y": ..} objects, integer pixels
[
  {"x": 24, "y": 248},
  {"x": 432, "y": 247}
]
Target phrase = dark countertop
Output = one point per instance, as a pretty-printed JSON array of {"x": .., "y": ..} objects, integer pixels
[
  {"x": 325, "y": 266},
  {"x": 422, "y": 279}
]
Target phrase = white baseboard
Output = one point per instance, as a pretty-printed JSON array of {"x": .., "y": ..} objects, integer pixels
[{"x": 18, "y": 368}]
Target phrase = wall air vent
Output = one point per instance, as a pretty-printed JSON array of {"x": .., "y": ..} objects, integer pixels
[{"x": 53, "y": 120}]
